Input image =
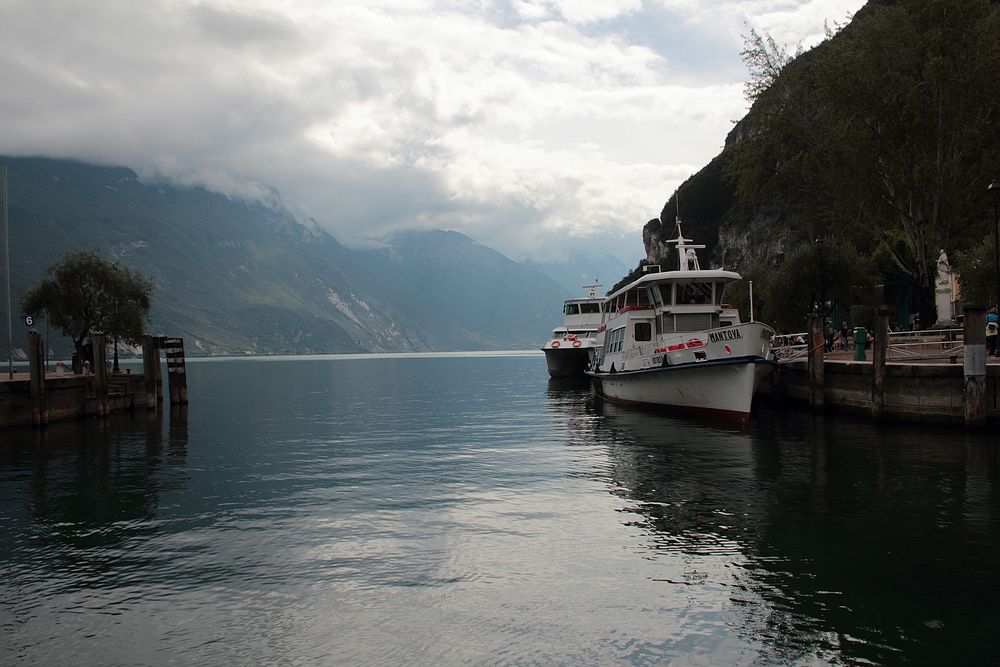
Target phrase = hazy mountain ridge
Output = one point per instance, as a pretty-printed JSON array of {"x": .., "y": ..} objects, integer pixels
[{"x": 234, "y": 277}]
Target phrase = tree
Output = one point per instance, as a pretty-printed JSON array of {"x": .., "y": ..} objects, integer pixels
[
  {"x": 977, "y": 273},
  {"x": 765, "y": 59},
  {"x": 87, "y": 294},
  {"x": 813, "y": 277}
]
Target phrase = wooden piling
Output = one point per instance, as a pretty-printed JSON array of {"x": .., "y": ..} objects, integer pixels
[
  {"x": 100, "y": 374},
  {"x": 176, "y": 370},
  {"x": 150, "y": 364},
  {"x": 36, "y": 365},
  {"x": 816, "y": 361},
  {"x": 880, "y": 347},
  {"x": 975, "y": 366}
]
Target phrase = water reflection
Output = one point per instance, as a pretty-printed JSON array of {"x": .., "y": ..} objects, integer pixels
[
  {"x": 838, "y": 540},
  {"x": 87, "y": 485}
]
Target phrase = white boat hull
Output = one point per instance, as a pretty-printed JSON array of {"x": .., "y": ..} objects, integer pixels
[{"x": 718, "y": 389}]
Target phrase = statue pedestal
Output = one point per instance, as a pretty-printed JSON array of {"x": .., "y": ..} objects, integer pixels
[
  {"x": 942, "y": 303},
  {"x": 944, "y": 292}
]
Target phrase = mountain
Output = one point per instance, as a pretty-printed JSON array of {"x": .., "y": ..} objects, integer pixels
[
  {"x": 584, "y": 267},
  {"x": 235, "y": 277}
]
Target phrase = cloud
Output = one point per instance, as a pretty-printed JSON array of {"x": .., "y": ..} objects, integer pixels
[{"x": 518, "y": 123}]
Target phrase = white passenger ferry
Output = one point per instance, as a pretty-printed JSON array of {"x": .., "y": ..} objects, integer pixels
[
  {"x": 669, "y": 340},
  {"x": 571, "y": 348}
]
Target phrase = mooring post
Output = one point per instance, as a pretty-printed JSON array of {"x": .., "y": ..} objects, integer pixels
[
  {"x": 176, "y": 370},
  {"x": 100, "y": 373},
  {"x": 975, "y": 366},
  {"x": 150, "y": 361},
  {"x": 816, "y": 344},
  {"x": 157, "y": 369},
  {"x": 880, "y": 347},
  {"x": 36, "y": 364}
]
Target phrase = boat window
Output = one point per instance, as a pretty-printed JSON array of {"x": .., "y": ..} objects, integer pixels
[
  {"x": 589, "y": 308},
  {"x": 666, "y": 294},
  {"x": 643, "y": 297},
  {"x": 571, "y": 309},
  {"x": 720, "y": 289},
  {"x": 694, "y": 293},
  {"x": 654, "y": 292},
  {"x": 643, "y": 331},
  {"x": 613, "y": 341}
]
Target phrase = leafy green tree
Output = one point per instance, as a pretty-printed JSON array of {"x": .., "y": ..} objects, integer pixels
[
  {"x": 977, "y": 273},
  {"x": 87, "y": 294},
  {"x": 813, "y": 277}
]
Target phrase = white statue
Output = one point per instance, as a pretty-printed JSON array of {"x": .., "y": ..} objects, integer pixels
[{"x": 943, "y": 294}]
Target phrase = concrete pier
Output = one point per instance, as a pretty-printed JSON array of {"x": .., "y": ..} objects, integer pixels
[
  {"x": 36, "y": 398},
  {"x": 924, "y": 392}
]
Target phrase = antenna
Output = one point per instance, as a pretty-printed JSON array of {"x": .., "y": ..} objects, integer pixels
[
  {"x": 592, "y": 289},
  {"x": 687, "y": 258}
]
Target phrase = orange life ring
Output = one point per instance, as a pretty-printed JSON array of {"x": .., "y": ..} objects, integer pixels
[
  {"x": 555, "y": 343},
  {"x": 576, "y": 343}
]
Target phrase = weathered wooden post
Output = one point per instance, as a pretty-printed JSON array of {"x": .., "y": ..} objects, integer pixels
[
  {"x": 176, "y": 370},
  {"x": 100, "y": 373},
  {"x": 150, "y": 362},
  {"x": 975, "y": 366},
  {"x": 36, "y": 364},
  {"x": 880, "y": 347},
  {"x": 158, "y": 371},
  {"x": 816, "y": 344}
]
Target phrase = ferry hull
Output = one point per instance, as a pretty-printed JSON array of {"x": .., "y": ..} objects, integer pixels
[
  {"x": 568, "y": 362},
  {"x": 720, "y": 390}
]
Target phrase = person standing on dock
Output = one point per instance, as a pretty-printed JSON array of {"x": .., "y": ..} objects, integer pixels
[
  {"x": 829, "y": 333},
  {"x": 845, "y": 335},
  {"x": 992, "y": 329}
]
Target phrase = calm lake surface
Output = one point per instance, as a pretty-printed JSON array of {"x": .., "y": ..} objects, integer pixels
[{"x": 466, "y": 510}]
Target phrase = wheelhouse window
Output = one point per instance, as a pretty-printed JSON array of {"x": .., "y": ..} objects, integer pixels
[
  {"x": 590, "y": 308},
  {"x": 694, "y": 293},
  {"x": 666, "y": 293},
  {"x": 571, "y": 309},
  {"x": 643, "y": 331}
]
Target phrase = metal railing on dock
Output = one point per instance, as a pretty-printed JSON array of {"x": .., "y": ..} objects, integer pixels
[{"x": 903, "y": 346}]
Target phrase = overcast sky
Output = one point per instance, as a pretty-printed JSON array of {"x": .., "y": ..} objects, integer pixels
[{"x": 521, "y": 123}]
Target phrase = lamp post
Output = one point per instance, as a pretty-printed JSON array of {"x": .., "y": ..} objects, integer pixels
[
  {"x": 114, "y": 366},
  {"x": 994, "y": 189}
]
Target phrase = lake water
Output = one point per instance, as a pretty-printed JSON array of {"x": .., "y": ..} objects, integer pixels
[{"x": 447, "y": 510}]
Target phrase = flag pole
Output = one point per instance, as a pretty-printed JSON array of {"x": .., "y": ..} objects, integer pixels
[{"x": 6, "y": 279}]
